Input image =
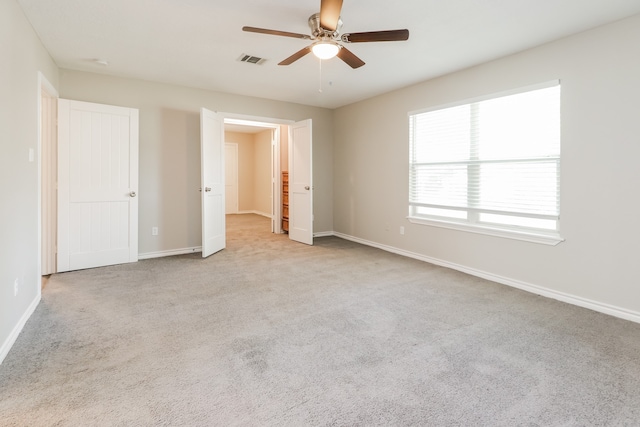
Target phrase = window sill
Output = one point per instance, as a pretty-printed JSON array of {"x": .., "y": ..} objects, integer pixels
[{"x": 527, "y": 236}]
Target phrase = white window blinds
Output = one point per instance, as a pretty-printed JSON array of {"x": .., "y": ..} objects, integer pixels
[{"x": 493, "y": 162}]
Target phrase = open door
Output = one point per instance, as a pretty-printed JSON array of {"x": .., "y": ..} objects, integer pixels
[
  {"x": 97, "y": 185},
  {"x": 212, "y": 182},
  {"x": 300, "y": 184}
]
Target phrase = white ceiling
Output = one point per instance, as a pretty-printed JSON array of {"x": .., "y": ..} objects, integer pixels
[{"x": 197, "y": 43}]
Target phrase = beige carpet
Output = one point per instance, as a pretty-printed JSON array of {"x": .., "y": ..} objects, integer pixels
[{"x": 270, "y": 332}]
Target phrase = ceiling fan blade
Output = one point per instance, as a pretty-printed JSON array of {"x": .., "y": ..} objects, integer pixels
[
  {"x": 347, "y": 56},
  {"x": 275, "y": 32},
  {"x": 330, "y": 13},
  {"x": 376, "y": 36},
  {"x": 293, "y": 58}
]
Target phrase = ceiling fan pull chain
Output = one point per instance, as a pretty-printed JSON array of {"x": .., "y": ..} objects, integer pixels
[{"x": 320, "y": 78}]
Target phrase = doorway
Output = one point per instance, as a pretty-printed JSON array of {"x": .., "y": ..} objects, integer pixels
[
  {"x": 298, "y": 191},
  {"x": 259, "y": 165},
  {"x": 78, "y": 229}
]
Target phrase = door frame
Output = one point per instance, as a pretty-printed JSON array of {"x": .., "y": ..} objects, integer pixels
[
  {"x": 276, "y": 176},
  {"x": 52, "y": 160}
]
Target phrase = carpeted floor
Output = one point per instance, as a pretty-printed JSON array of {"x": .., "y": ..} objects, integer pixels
[{"x": 270, "y": 332}]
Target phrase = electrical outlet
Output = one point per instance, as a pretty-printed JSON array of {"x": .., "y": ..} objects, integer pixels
[
  {"x": 16, "y": 287},
  {"x": 401, "y": 230},
  {"x": 154, "y": 231}
]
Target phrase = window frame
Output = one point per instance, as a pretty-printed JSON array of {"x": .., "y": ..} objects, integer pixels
[{"x": 535, "y": 235}]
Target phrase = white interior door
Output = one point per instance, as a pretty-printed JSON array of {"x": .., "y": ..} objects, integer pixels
[
  {"x": 231, "y": 177},
  {"x": 300, "y": 184},
  {"x": 97, "y": 185},
  {"x": 212, "y": 182}
]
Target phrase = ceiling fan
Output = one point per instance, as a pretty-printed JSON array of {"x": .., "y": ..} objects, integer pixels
[{"x": 325, "y": 33}]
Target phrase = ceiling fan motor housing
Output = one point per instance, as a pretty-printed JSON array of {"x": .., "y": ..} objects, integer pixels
[{"x": 317, "y": 32}]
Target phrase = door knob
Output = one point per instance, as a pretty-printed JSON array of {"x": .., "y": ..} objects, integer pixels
[
  {"x": 132, "y": 194},
  {"x": 207, "y": 189},
  {"x": 306, "y": 187}
]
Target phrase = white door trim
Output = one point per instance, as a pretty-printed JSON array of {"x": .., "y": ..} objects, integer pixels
[
  {"x": 233, "y": 118},
  {"x": 276, "y": 184},
  {"x": 47, "y": 171}
]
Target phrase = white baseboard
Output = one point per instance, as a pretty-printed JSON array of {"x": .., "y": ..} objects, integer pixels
[
  {"x": 13, "y": 336},
  {"x": 611, "y": 310},
  {"x": 172, "y": 252},
  {"x": 324, "y": 234}
]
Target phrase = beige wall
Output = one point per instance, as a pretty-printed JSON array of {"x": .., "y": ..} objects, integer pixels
[
  {"x": 262, "y": 178},
  {"x": 600, "y": 73},
  {"x": 284, "y": 148},
  {"x": 170, "y": 149},
  {"x": 22, "y": 57},
  {"x": 246, "y": 159}
]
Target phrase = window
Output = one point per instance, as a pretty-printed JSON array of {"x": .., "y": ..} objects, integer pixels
[{"x": 490, "y": 166}]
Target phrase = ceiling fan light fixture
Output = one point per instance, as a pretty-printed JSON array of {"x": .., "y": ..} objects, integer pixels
[
  {"x": 325, "y": 50},
  {"x": 327, "y": 38}
]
